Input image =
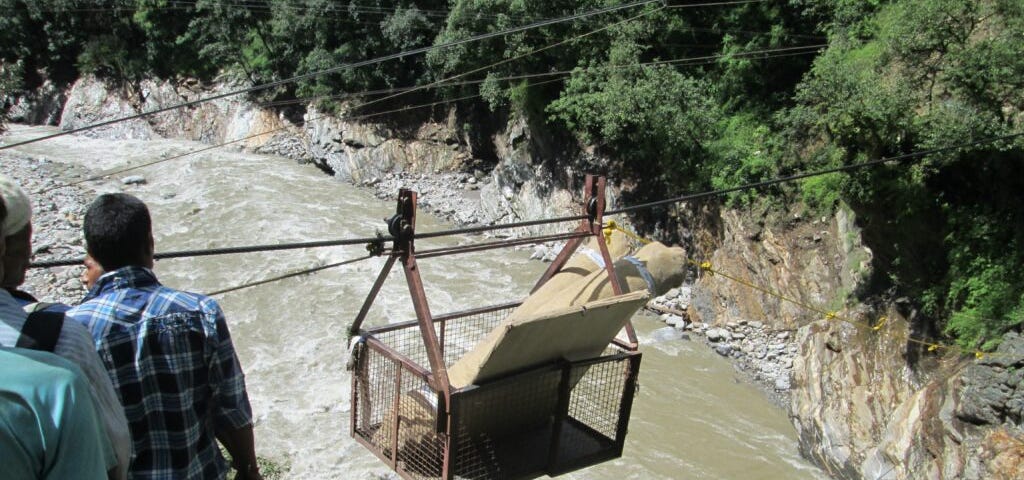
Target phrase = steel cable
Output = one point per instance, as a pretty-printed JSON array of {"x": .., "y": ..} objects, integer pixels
[
  {"x": 338, "y": 68},
  {"x": 288, "y": 275},
  {"x": 546, "y": 221}
]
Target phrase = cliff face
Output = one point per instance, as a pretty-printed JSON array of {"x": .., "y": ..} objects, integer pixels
[
  {"x": 519, "y": 187},
  {"x": 867, "y": 402}
]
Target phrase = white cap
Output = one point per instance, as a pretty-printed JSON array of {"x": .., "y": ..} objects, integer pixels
[{"x": 19, "y": 212}]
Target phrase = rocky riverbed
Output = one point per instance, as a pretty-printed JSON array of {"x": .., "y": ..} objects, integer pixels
[
  {"x": 762, "y": 355},
  {"x": 57, "y": 212}
]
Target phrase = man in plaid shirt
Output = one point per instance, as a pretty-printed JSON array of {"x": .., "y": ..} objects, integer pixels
[{"x": 168, "y": 353}]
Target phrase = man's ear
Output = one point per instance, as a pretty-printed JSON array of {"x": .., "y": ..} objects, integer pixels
[{"x": 152, "y": 250}]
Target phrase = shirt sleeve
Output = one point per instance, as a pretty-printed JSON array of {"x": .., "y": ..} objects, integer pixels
[
  {"x": 81, "y": 447},
  {"x": 76, "y": 345},
  {"x": 227, "y": 382}
]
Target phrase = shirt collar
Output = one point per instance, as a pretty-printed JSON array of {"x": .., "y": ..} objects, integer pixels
[
  {"x": 122, "y": 278},
  {"x": 6, "y": 298}
]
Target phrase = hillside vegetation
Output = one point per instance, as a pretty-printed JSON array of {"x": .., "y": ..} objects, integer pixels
[{"x": 672, "y": 98}]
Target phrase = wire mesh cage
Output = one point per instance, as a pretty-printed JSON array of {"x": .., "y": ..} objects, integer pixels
[{"x": 545, "y": 420}]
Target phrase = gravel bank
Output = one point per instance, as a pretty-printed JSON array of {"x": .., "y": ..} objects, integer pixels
[
  {"x": 763, "y": 356},
  {"x": 57, "y": 213}
]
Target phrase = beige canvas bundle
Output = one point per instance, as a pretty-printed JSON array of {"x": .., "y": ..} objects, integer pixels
[{"x": 574, "y": 320}]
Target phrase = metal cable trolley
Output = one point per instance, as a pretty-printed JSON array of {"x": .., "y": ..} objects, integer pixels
[{"x": 548, "y": 416}]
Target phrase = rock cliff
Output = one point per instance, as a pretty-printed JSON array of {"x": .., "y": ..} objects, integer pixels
[
  {"x": 868, "y": 402},
  {"x": 366, "y": 151}
]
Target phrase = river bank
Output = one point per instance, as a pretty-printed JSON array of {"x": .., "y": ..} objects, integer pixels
[{"x": 57, "y": 212}]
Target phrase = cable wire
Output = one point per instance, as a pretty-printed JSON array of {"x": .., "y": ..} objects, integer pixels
[
  {"x": 790, "y": 178},
  {"x": 686, "y": 61},
  {"x": 338, "y": 68},
  {"x": 446, "y": 82},
  {"x": 546, "y": 221},
  {"x": 523, "y": 55},
  {"x": 288, "y": 275}
]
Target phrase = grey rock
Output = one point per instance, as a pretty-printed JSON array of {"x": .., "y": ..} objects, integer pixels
[
  {"x": 134, "y": 180},
  {"x": 666, "y": 334},
  {"x": 718, "y": 335},
  {"x": 539, "y": 252},
  {"x": 992, "y": 389}
]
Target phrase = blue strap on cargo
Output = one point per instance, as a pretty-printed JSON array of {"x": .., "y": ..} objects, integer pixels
[{"x": 644, "y": 273}]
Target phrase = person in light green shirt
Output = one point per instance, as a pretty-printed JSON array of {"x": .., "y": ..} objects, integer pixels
[
  {"x": 48, "y": 424},
  {"x": 49, "y": 428}
]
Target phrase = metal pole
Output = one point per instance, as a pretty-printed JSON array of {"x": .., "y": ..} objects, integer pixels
[
  {"x": 407, "y": 208},
  {"x": 609, "y": 265},
  {"x": 383, "y": 275},
  {"x": 572, "y": 245}
]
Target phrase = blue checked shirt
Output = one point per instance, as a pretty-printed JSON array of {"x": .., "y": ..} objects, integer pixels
[{"x": 170, "y": 357}]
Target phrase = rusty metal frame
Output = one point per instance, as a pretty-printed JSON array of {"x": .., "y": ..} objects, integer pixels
[
  {"x": 404, "y": 251},
  {"x": 593, "y": 205}
]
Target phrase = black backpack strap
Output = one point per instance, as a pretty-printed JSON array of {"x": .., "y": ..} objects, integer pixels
[{"x": 41, "y": 331}]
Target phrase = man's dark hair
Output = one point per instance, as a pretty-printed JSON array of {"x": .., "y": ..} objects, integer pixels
[{"x": 118, "y": 230}]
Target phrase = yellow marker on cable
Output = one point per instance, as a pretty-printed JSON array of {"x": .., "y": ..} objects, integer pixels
[
  {"x": 608, "y": 230},
  {"x": 881, "y": 321}
]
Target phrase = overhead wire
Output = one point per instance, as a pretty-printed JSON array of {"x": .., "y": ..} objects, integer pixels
[
  {"x": 305, "y": 271},
  {"x": 442, "y": 83},
  {"x": 338, "y": 68},
  {"x": 825, "y": 314},
  {"x": 814, "y": 173},
  {"x": 379, "y": 100},
  {"x": 233, "y": 250},
  {"x": 686, "y": 61},
  {"x": 546, "y": 221}
]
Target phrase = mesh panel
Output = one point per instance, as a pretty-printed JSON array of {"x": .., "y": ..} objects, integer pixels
[
  {"x": 420, "y": 446},
  {"x": 374, "y": 384},
  {"x": 461, "y": 334},
  {"x": 596, "y": 400},
  {"x": 502, "y": 429}
]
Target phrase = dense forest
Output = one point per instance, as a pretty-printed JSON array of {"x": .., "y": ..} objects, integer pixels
[{"x": 678, "y": 96}]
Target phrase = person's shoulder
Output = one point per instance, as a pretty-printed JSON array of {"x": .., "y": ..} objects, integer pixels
[
  {"x": 190, "y": 300},
  {"x": 43, "y": 366}
]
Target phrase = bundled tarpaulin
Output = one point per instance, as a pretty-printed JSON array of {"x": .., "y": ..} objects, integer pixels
[{"x": 551, "y": 323}]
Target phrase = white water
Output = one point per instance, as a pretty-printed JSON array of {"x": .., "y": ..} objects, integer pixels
[{"x": 691, "y": 419}]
